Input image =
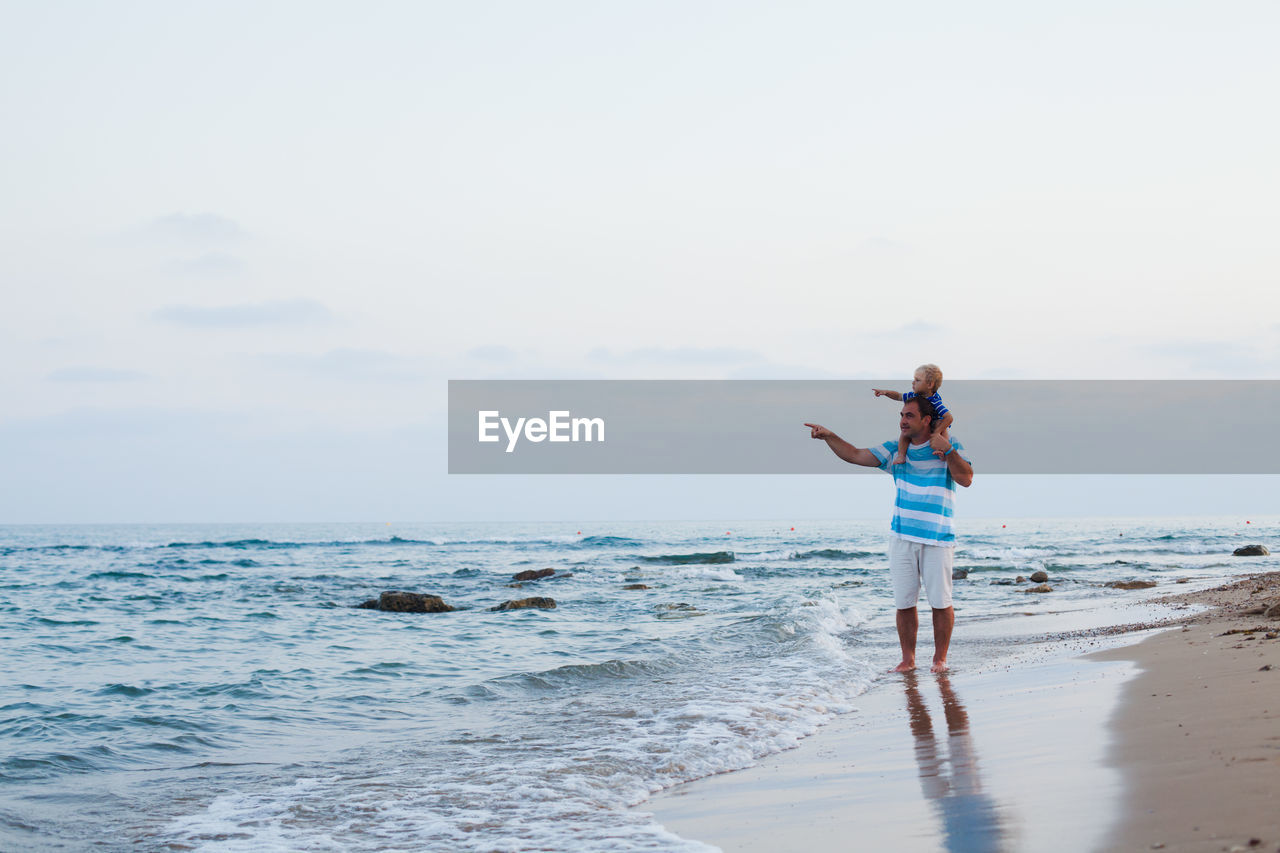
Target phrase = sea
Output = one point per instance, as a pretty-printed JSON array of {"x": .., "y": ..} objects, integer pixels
[{"x": 213, "y": 687}]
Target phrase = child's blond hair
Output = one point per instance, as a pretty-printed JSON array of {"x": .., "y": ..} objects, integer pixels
[{"x": 932, "y": 376}]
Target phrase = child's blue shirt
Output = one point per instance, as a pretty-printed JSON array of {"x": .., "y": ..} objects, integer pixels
[{"x": 935, "y": 398}]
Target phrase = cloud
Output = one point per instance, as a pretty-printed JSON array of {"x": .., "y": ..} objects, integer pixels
[
  {"x": 676, "y": 355},
  {"x": 913, "y": 329},
  {"x": 493, "y": 352},
  {"x": 210, "y": 264},
  {"x": 1227, "y": 359},
  {"x": 920, "y": 327},
  {"x": 884, "y": 247},
  {"x": 291, "y": 312},
  {"x": 1201, "y": 350},
  {"x": 196, "y": 227},
  {"x": 783, "y": 371},
  {"x": 351, "y": 364},
  {"x": 523, "y": 370},
  {"x": 94, "y": 374},
  {"x": 1004, "y": 373}
]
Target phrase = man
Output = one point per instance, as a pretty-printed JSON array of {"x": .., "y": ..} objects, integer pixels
[{"x": 921, "y": 541}]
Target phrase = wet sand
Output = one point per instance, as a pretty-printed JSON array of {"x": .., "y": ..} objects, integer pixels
[{"x": 1061, "y": 750}]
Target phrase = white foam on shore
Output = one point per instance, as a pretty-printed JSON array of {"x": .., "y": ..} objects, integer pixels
[{"x": 565, "y": 774}]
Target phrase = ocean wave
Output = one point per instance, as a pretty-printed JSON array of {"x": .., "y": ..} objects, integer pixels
[
  {"x": 54, "y": 764},
  {"x": 233, "y": 543},
  {"x": 185, "y": 744},
  {"x": 128, "y": 690},
  {"x": 1019, "y": 554},
  {"x": 6, "y": 550},
  {"x": 569, "y": 785},
  {"x": 257, "y": 543},
  {"x": 686, "y": 559},
  {"x": 831, "y": 554},
  {"x": 119, "y": 575},
  {"x": 581, "y": 674},
  {"x": 695, "y": 572},
  {"x": 270, "y": 544},
  {"x": 608, "y": 542},
  {"x": 65, "y": 623}
]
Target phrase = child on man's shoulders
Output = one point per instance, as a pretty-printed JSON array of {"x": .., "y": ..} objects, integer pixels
[{"x": 927, "y": 381}]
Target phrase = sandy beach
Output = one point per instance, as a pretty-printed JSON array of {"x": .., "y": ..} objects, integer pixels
[
  {"x": 1198, "y": 731},
  {"x": 1168, "y": 738}
]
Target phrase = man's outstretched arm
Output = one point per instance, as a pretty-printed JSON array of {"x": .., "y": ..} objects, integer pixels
[{"x": 842, "y": 448}]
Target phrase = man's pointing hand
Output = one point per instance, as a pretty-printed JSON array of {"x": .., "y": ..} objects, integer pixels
[{"x": 819, "y": 431}]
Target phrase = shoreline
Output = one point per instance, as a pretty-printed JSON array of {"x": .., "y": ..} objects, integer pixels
[
  {"x": 1198, "y": 730},
  {"x": 1067, "y": 750}
]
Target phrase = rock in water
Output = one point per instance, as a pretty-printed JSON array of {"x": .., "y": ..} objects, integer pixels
[
  {"x": 524, "y": 603},
  {"x": 533, "y": 574},
  {"x": 1131, "y": 584},
  {"x": 1044, "y": 587},
  {"x": 1251, "y": 551},
  {"x": 959, "y": 574},
  {"x": 407, "y": 602},
  {"x": 1039, "y": 577}
]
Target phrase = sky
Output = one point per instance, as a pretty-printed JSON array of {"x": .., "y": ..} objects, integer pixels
[{"x": 247, "y": 245}]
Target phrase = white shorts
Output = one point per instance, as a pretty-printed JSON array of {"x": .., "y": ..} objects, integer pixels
[{"x": 913, "y": 562}]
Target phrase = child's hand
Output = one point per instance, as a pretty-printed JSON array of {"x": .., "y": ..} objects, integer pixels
[{"x": 879, "y": 391}]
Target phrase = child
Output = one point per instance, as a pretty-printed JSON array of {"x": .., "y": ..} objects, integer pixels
[{"x": 927, "y": 381}]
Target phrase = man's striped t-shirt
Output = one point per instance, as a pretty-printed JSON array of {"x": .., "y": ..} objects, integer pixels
[{"x": 923, "y": 506}]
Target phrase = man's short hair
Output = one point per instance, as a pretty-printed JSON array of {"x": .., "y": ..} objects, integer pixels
[{"x": 926, "y": 410}]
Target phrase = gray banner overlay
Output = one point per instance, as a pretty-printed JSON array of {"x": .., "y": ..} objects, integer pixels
[{"x": 757, "y": 427}]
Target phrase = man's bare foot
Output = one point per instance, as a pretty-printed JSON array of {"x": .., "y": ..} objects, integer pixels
[
  {"x": 938, "y": 666},
  {"x": 905, "y": 666}
]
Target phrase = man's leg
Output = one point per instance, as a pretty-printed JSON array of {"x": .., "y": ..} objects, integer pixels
[
  {"x": 904, "y": 571},
  {"x": 908, "y": 623},
  {"x": 936, "y": 565},
  {"x": 944, "y": 621}
]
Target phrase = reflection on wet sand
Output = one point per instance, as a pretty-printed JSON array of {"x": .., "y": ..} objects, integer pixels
[{"x": 950, "y": 778}]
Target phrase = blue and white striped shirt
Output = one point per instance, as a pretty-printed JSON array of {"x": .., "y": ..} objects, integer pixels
[{"x": 924, "y": 504}]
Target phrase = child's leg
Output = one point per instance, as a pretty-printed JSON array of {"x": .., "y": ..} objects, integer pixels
[{"x": 903, "y": 442}]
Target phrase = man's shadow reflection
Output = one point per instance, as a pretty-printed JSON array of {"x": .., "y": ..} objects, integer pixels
[{"x": 949, "y": 777}]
